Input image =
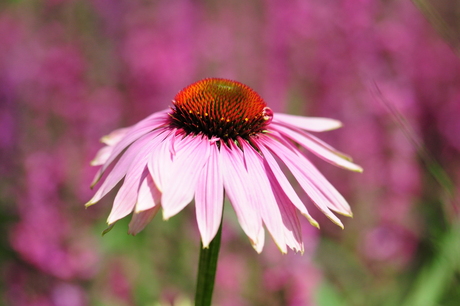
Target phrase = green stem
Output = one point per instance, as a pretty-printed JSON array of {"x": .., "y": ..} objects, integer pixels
[{"x": 207, "y": 270}]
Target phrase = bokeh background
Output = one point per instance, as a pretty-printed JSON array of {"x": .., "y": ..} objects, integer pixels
[{"x": 71, "y": 71}]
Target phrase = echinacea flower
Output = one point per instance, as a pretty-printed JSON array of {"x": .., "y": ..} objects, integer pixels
[{"x": 220, "y": 139}]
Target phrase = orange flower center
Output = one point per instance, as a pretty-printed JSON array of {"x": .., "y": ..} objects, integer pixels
[{"x": 220, "y": 108}]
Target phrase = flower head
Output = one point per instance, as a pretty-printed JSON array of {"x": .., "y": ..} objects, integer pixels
[{"x": 220, "y": 138}]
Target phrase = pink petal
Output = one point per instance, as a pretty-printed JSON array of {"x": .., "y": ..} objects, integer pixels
[
  {"x": 258, "y": 244},
  {"x": 314, "y": 124},
  {"x": 291, "y": 224},
  {"x": 239, "y": 193},
  {"x": 277, "y": 174},
  {"x": 122, "y": 166},
  {"x": 338, "y": 203},
  {"x": 160, "y": 162},
  {"x": 318, "y": 147},
  {"x": 149, "y": 196},
  {"x": 263, "y": 195},
  {"x": 186, "y": 168},
  {"x": 141, "y": 219},
  {"x": 115, "y": 136},
  {"x": 138, "y": 130},
  {"x": 127, "y": 196},
  {"x": 209, "y": 197},
  {"x": 110, "y": 140},
  {"x": 292, "y": 160},
  {"x": 101, "y": 156}
]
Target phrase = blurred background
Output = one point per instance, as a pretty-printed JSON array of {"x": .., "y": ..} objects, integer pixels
[{"x": 71, "y": 71}]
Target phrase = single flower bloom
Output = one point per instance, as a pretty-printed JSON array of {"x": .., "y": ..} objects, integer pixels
[{"x": 220, "y": 139}]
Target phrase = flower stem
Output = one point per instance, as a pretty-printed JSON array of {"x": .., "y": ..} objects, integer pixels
[{"x": 207, "y": 270}]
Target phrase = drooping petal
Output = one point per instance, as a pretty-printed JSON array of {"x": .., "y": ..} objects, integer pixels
[
  {"x": 318, "y": 147},
  {"x": 237, "y": 189},
  {"x": 186, "y": 168},
  {"x": 149, "y": 196},
  {"x": 285, "y": 185},
  {"x": 101, "y": 156},
  {"x": 209, "y": 196},
  {"x": 292, "y": 162},
  {"x": 314, "y": 124},
  {"x": 127, "y": 196},
  {"x": 141, "y": 219},
  {"x": 135, "y": 132},
  {"x": 122, "y": 166},
  {"x": 263, "y": 195},
  {"x": 337, "y": 201},
  {"x": 160, "y": 161},
  {"x": 291, "y": 223},
  {"x": 110, "y": 140},
  {"x": 340, "y": 205},
  {"x": 258, "y": 244},
  {"x": 115, "y": 136}
]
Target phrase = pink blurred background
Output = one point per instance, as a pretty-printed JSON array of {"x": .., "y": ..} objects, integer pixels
[{"x": 72, "y": 71}]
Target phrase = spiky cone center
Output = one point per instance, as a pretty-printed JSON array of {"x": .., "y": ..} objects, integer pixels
[{"x": 220, "y": 108}]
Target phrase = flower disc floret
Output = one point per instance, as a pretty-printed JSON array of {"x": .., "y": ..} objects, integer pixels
[{"x": 220, "y": 108}]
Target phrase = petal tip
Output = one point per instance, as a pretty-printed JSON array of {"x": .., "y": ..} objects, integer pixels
[
  {"x": 257, "y": 246},
  {"x": 206, "y": 241},
  {"x": 166, "y": 216},
  {"x": 336, "y": 221},
  {"x": 335, "y": 124},
  {"x": 315, "y": 224},
  {"x": 354, "y": 167},
  {"x": 312, "y": 221},
  {"x": 90, "y": 203},
  {"x": 345, "y": 213},
  {"x": 302, "y": 250},
  {"x": 113, "y": 218},
  {"x": 108, "y": 229},
  {"x": 132, "y": 233},
  {"x": 94, "y": 162},
  {"x": 348, "y": 214},
  {"x": 104, "y": 139}
]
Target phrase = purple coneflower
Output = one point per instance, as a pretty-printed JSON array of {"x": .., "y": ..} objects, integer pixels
[{"x": 220, "y": 137}]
